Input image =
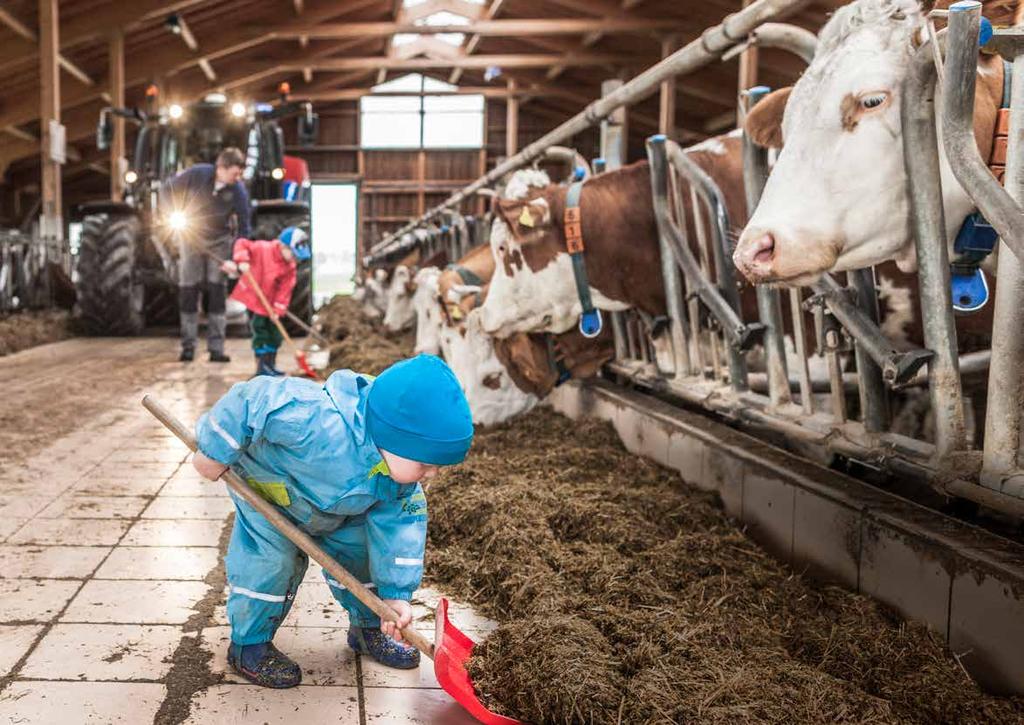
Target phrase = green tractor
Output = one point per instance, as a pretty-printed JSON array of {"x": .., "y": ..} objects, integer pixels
[{"x": 126, "y": 271}]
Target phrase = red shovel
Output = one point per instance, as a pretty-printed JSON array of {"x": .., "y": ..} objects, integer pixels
[{"x": 452, "y": 648}]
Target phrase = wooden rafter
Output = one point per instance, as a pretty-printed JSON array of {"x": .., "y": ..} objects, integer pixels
[
  {"x": 532, "y": 60},
  {"x": 484, "y": 27},
  {"x": 474, "y": 40}
]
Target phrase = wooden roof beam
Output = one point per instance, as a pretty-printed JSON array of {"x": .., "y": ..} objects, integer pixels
[
  {"x": 8, "y": 18},
  {"x": 509, "y": 28},
  {"x": 474, "y": 40},
  {"x": 533, "y": 60}
]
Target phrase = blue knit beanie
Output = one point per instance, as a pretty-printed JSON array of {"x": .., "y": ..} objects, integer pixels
[{"x": 417, "y": 410}]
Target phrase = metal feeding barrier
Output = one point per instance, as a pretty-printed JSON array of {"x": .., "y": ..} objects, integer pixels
[{"x": 705, "y": 353}]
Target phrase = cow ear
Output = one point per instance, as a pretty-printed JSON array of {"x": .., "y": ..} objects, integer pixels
[
  {"x": 524, "y": 216},
  {"x": 764, "y": 122}
]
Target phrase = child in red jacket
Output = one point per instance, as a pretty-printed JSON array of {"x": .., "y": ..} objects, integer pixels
[{"x": 272, "y": 266}]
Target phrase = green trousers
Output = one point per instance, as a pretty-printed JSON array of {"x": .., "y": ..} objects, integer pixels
[{"x": 265, "y": 335}]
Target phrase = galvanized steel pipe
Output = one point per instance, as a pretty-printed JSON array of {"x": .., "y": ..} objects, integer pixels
[
  {"x": 696, "y": 54},
  {"x": 927, "y": 218}
]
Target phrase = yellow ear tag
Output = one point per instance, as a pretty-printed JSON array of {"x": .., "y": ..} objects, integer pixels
[{"x": 525, "y": 218}]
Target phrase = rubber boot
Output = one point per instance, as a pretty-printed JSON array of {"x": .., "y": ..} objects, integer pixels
[
  {"x": 265, "y": 665},
  {"x": 272, "y": 362},
  {"x": 219, "y": 357},
  {"x": 188, "y": 354},
  {"x": 265, "y": 367},
  {"x": 371, "y": 641}
]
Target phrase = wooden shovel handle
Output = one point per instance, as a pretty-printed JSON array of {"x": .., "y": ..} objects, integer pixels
[
  {"x": 294, "y": 533},
  {"x": 270, "y": 310}
]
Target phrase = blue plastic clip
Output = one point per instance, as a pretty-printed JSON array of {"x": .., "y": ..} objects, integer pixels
[
  {"x": 970, "y": 291},
  {"x": 591, "y": 323}
]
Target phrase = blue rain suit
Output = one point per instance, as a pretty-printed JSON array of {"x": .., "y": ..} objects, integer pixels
[{"x": 306, "y": 449}]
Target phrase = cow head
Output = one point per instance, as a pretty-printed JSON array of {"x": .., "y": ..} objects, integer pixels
[
  {"x": 428, "y": 313},
  {"x": 533, "y": 287},
  {"x": 399, "y": 311},
  {"x": 837, "y": 196},
  {"x": 493, "y": 396}
]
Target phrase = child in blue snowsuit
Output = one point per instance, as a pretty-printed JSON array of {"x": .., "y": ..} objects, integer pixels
[{"x": 343, "y": 461}]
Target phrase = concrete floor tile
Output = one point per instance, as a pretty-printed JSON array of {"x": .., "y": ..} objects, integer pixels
[
  {"x": 180, "y": 486},
  {"x": 315, "y": 606},
  {"x": 34, "y": 600},
  {"x": 80, "y": 702},
  {"x": 9, "y": 526},
  {"x": 387, "y": 706},
  {"x": 15, "y": 641},
  {"x": 135, "y": 602},
  {"x": 190, "y": 507},
  {"x": 50, "y": 562},
  {"x": 162, "y": 470},
  {"x": 74, "y": 506},
  {"x": 104, "y": 652},
  {"x": 377, "y": 675},
  {"x": 73, "y": 532},
  {"x": 322, "y": 653},
  {"x": 94, "y": 486},
  {"x": 15, "y": 506},
  {"x": 131, "y": 455},
  {"x": 233, "y": 704},
  {"x": 159, "y": 562},
  {"x": 167, "y": 532}
]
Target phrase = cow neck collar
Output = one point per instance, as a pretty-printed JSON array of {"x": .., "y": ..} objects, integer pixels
[
  {"x": 976, "y": 239},
  {"x": 590, "y": 317}
]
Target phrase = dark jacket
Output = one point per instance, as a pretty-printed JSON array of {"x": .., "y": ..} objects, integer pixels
[{"x": 211, "y": 214}]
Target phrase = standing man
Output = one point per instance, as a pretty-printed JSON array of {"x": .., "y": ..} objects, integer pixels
[{"x": 210, "y": 211}]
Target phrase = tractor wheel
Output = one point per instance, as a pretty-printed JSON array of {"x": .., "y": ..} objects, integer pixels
[
  {"x": 110, "y": 297},
  {"x": 268, "y": 226}
]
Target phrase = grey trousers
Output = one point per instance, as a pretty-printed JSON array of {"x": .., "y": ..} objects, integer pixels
[{"x": 196, "y": 272}]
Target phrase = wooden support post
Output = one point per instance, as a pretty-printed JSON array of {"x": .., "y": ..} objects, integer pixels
[
  {"x": 667, "y": 100},
  {"x": 51, "y": 223},
  {"x": 511, "y": 120},
  {"x": 116, "y": 74},
  {"x": 421, "y": 166}
]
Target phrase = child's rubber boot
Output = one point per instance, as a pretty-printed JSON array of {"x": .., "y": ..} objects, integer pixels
[
  {"x": 265, "y": 665},
  {"x": 264, "y": 367},
  {"x": 272, "y": 360},
  {"x": 371, "y": 641}
]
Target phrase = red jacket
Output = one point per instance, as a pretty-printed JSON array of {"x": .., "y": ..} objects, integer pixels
[{"x": 274, "y": 275}]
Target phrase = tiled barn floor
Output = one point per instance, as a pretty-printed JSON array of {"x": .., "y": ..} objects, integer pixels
[{"x": 111, "y": 592}]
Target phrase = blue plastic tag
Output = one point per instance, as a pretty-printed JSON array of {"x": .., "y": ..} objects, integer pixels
[{"x": 970, "y": 291}]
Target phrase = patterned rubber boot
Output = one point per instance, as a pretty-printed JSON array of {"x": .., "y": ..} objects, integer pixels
[
  {"x": 272, "y": 361},
  {"x": 371, "y": 641},
  {"x": 265, "y": 665}
]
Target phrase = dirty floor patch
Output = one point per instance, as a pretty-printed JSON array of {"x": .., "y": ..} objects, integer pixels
[{"x": 22, "y": 330}]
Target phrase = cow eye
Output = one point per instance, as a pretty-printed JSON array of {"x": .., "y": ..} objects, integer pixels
[{"x": 873, "y": 101}]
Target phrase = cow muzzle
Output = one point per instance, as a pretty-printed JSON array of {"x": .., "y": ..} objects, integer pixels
[{"x": 755, "y": 256}]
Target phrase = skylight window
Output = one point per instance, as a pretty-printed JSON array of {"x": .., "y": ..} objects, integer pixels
[
  {"x": 414, "y": 83},
  {"x": 427, "y": 115}
]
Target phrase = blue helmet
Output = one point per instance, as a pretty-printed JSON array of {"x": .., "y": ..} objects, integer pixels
[{"x": 298, "y": 241}]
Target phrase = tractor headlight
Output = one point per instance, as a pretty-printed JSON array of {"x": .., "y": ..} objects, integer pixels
[
  {"x": 237, "y": 109},
  {"x": 175, "y": 111},
  {"x": 277, "y": 173},
  {"x": 177, "y": 221},
  {"x": 130, "y": 176}
]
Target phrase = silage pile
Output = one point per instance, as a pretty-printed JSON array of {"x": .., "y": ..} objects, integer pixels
[
  {"x": 625, "y": 597},
  {"x": 358, "y": 343},
  {"x": 23, "y": 330}
]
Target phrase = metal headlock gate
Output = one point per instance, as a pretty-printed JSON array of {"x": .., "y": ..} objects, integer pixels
[
  {"x": 713, "y": 348},
  {"x": 23, "y": 272}
]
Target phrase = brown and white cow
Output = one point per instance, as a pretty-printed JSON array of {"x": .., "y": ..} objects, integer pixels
[
  {"x": 533, "y": 289},
  {"x": 837, "y": 198}
]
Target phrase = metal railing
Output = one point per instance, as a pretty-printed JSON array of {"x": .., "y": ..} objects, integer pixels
[{"x": 713, "y": 42}]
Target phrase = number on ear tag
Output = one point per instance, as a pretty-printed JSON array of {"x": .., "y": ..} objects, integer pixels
[{"x": 526, "y": 219}]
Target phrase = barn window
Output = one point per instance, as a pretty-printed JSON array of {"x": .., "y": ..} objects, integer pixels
[{"x": 416, "y": 111}]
